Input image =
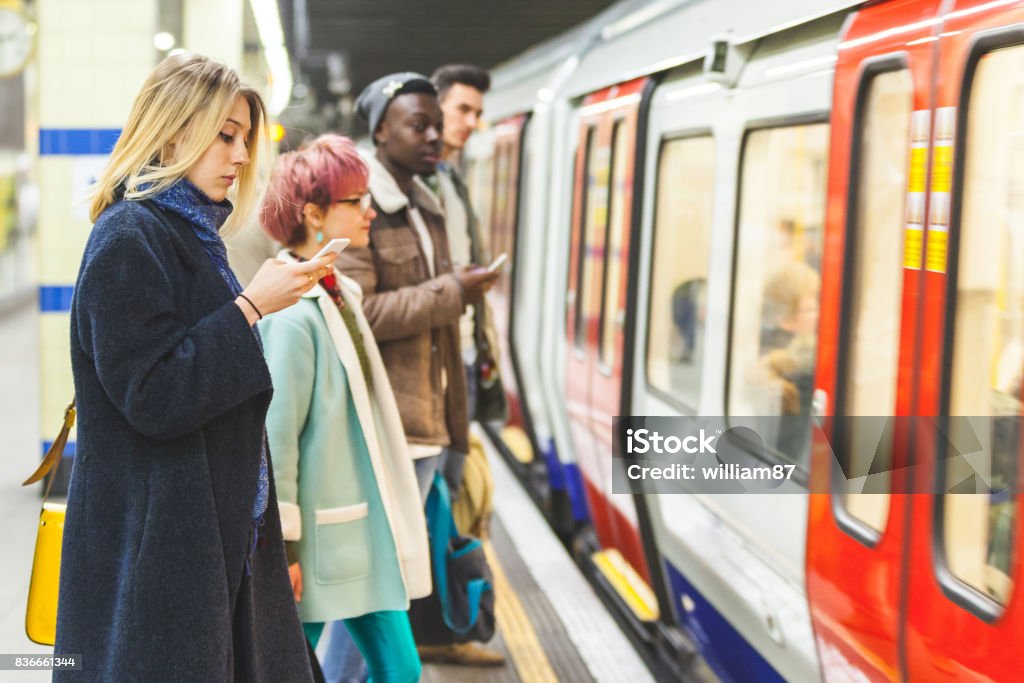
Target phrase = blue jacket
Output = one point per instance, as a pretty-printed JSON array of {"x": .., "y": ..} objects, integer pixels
[{"x": 172, "y": 394}]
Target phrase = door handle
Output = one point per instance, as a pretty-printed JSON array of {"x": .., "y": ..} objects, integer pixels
[{"x": 819, "y": 403}]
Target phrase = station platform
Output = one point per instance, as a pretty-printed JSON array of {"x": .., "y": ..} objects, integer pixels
[{"x": 552, "y": 626}]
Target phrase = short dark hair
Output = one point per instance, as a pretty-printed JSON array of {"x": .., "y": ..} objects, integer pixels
[{"x": 466, "y": 74}]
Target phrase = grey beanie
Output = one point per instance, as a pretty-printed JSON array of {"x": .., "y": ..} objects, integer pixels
[{"x": 373, "y": 102}]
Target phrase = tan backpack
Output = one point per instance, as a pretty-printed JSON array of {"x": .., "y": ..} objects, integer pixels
[{"x": 472, "y": 510}]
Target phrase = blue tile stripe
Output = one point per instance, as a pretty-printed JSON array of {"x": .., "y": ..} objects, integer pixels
[
  {"x": 77, "y": 141},
  {"x": 55, "y": 298},
  {"x": 69, "y": 448}
]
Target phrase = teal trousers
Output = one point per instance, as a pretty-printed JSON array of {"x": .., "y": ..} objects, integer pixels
[{"x": 385, "y": 641}]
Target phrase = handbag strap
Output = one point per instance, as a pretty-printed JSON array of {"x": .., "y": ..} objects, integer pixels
[
  {"x": 51, "y": 461},
  {"x": 442, "y": 532}
]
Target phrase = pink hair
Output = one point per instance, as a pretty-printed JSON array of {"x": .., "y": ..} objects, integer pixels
[{"x": 320, "y": 172}]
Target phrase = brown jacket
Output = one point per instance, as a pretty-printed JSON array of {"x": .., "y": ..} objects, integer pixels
[{"x": 414, "y": 317}]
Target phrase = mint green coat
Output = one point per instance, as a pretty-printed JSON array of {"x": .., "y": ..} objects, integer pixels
[{"x": 345, "y": 481}]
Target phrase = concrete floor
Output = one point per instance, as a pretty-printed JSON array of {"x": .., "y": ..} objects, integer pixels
[{"x": 19, "y": 456}]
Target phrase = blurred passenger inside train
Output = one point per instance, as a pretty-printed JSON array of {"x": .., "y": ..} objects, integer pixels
[
  {"x": 350, "y": 514},
  {"x": 688, "y": 313},
  {"x": 790, "y": 309},
  {"x": 173, "y": 564},
  {"x": 788, "y": 336},
  {"x": 785, "y": 371}
]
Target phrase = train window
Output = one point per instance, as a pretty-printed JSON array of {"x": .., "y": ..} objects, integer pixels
[
  {"x": 987, "y": 334},
  {"x": 504, "y": 194},
  {"x": 777, "y": 284},
  {"x": 871, "y": 324},
  {"x": 616, "y": 224},
  {"x": 479, "y": 176},
  {"x": 593, "y": 210},
  {"x": 679, "y": 269}
]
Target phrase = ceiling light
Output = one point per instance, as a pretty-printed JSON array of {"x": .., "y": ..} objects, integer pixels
[
  {"x": 268, "y": 25},
  {"x": 163, "y": 41}
]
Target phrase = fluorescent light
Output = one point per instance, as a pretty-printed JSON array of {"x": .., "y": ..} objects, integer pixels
[
  {"x": 163, "y": 41},
  {"x": 268, "y": 25},
  {"x": 890, "y": 32},
  {"x": 268, "y": 21},
  {"x": 280, "y": 78},
  {"x": 614, "y": 103},
  {"x": 637, "y": 18},
  {"x": 800, "y": 66},
  {"x": 702, "y": 89}
]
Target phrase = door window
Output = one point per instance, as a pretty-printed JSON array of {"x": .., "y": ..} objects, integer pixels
[
  {"x": 616, "y": 221},
  {"x": 679, "y": 268},
  {"x": 777, "y": 284},
  {"x": 871, "y": 333},
  {"x": 988, "y": 333}
]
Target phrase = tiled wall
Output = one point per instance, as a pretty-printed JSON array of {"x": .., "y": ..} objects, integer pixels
[
  {"x": 215, "y": 29},
  {"x": 91, "y": 59}
]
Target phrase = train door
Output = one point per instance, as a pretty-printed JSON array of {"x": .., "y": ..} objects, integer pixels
[
  {"x": 965, "y": 614},
  {"x": 598, "y": 277},
  {"x": 870, "y": 293},
  {"x": 508, "y": 136}
]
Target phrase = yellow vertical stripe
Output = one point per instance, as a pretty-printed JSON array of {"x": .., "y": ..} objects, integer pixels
[
  {"x": 935, "y": 259},
  {"x": 912, "y": 246}
]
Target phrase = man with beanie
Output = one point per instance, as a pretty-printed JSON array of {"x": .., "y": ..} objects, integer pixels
[{"x": 412, "y": 296}]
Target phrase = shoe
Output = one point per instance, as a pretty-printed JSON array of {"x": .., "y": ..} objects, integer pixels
[{"x": 464, "y": 654}]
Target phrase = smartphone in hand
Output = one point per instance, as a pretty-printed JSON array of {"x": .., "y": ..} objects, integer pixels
[
  {"x": 336, "y": 245},
  {"x": 497, "y": 263}
]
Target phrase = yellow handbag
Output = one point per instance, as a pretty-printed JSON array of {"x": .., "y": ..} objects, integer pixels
[{"x": 41, "y": 614}]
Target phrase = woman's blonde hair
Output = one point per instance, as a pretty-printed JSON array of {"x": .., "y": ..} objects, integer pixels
[{"x": 192, "y": 95}]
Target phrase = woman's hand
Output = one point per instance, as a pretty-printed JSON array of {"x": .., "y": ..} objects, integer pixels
[
  {"x": 295, "y": 574},
  {"x": 278, "y": 285}
]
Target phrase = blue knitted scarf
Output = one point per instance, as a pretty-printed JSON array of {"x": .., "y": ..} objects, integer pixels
[{"x": 206, "y": 218}]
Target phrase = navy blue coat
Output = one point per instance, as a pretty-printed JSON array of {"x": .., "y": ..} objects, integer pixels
[{"x": 172, "y": 394}]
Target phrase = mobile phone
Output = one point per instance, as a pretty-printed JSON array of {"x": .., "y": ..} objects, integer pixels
[
  {"x": 497, "y": 263},
  {"x": 336, "y": 245}
]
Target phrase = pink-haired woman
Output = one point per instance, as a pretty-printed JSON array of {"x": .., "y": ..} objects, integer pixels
[{"x": 346, "y": 486}]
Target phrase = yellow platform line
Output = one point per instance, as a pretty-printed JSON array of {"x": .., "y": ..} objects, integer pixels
[{"x": 517, "y": 630}]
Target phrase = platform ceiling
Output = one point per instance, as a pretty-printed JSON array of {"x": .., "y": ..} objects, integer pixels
[{"x": 377, "y": 37}]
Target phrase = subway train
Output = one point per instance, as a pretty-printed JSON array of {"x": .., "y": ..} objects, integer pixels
[{"x": 804, "y": 209}]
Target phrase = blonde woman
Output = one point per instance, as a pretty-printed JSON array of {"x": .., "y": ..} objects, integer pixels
[
  {"x": 350, "y": 505},
  {"x": 173, "y": 567}
]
